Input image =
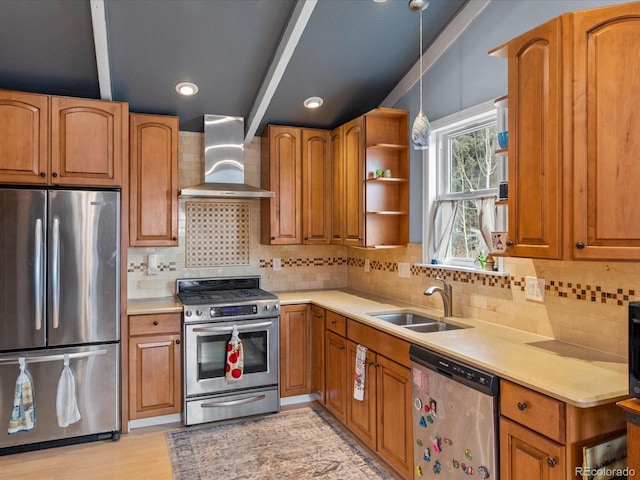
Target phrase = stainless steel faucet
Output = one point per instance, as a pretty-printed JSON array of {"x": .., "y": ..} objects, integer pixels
[{"x": 446, "y": 294}]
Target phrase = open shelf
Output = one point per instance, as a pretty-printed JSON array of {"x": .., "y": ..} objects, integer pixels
[{"x": 387, "y": 179}]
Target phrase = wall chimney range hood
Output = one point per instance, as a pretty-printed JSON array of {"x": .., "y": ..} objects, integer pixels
[{"x": 224, "y": 161}]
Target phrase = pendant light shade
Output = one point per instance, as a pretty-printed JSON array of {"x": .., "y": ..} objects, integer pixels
[{"x": 421, "y": 129}]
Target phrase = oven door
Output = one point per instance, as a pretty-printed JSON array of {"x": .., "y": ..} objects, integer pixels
[{"x": 206, "y": 355}]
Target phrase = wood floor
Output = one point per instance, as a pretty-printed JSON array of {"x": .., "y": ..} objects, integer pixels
[{"x": 141, "y": 454}]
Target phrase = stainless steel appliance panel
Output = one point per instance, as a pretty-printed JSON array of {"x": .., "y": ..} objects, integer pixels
[
  {"x": 22, "y": 260},
  {"x": 84, "y": 267},
  {"x": 205, "y": 355},
  {"x": 223, "y": 407},
  {"x": 97, "y": 390},
  {"x": 454, "y": 419}
]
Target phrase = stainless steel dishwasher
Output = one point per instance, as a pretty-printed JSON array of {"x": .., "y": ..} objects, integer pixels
[{"x": 455, "y": 418}]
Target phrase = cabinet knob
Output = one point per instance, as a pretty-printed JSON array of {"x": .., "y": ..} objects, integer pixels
[
  {"x": 509, "y": 243},
  {"x": 178, "y": 342},
  {"x": 155, "y": 322},
  {"x": 580, "y": 245},
  {"x": 341, "y": 347},
  {"x": 54, "y": 174},
  {"x": 273, "y": 238},
  {"x": 306, "y": 238},
  {"x": 522, "y": 406},
  {"x": 42, "y": 174},
  {"x": 174, "y": 238},
  {"x": 551, "y": 462}
]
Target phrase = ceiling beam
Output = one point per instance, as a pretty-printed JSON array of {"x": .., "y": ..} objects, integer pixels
[
  {"x": 295, "y": 27},
  {"x": 450, "y": 34},
  {"x": 101, "y": 45}
]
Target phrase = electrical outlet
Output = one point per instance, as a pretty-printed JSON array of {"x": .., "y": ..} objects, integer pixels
[
  {"x": 534, "y": 288},
  {"x": 367, "y": 265},
  {"x": 277, "y": 264},
  {"x": 404, "y": 270},
  {"x": 152, "y": 264}
]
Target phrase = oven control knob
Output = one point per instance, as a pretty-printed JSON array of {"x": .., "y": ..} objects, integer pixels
[
  {"x": 266, "y": 307},
  {"x": 187, "y": 313},
  {"x": 198, "y": 312},
  {"x": 276, "y": 307}
]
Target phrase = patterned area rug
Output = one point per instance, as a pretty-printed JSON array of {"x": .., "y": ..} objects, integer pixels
[{"x": 296, "y": 444}]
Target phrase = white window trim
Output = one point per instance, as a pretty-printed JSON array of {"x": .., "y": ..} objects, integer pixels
[{"x": 431, "y": 177}]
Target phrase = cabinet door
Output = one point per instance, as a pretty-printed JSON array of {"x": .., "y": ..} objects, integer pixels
[
  {"x": 281, "y": 222},
  {"x": 361, "y": 415},
  {"x": 394, "y": 426},
  {"x": 606, "y": 220},
  {"x": 338, "y": 186},
  {"x": 317, "y": 351},
  {"x": 295, "y": 351},
  {"x": 525, "y": 455},
  {"x": 153, "y": 180},
  {"x": 155, "y": 369},
  {"x": 353, "y": 178},
  {"x": 88, "y": 141},
  {"x": 336, "y": 375},
  {"x": 316, "y": 187},
  {"x": 24, "y": 138},
  {"x": 535, "y": 146}
]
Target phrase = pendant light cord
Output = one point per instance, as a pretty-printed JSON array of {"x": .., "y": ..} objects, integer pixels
[{"x": 420, "y": 63}]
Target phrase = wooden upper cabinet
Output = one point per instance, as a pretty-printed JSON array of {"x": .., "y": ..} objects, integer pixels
[
  {"x": 535, "y": 142},
  {"x": 338, "y": 186},
  {"x": 606, "y": 220},
  {"x": 316, "y": 187},
  {"x": 88, "y": 141},
  {"x": 153, "y": 179},
  {"x": 353, "y": 159},
  {"x": 24, "y": 138},
  {"x": 281, "y": 171}
]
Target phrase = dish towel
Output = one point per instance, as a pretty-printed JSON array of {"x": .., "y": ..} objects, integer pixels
[
  {"x": 361, "y": 367},
  {"x": 66, "y": 403},
  {"x": 23, "y": 415},
  {"x": 235, "y": 357}
]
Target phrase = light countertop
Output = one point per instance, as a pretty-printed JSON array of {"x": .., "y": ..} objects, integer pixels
[{"x": 579, "y": 376}]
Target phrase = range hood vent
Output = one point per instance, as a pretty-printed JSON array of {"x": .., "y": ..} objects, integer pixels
[{"x": 224, "y": 161}]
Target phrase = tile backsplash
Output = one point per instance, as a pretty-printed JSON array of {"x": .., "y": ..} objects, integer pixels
[{"x": 585, "y": 302}]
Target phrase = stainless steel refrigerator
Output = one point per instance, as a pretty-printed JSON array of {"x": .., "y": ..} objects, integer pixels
[{"x": 59, "y": 304}]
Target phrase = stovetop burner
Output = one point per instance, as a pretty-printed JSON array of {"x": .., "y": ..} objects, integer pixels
[{"x": 223, "y": 296}]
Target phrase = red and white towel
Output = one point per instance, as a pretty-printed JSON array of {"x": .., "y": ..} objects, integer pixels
[
  {"x": 235, "y": 357},
  {"x": 361, "y": 367}
]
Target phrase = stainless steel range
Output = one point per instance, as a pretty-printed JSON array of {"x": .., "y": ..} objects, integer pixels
[{"x": 213, "y": 307}]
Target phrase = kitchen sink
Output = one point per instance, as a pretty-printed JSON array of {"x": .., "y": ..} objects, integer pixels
[{"x": 415, "y": 321}]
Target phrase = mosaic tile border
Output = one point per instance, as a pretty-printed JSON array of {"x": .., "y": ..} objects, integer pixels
[
  {"x": 142, "y": 267},
  {"x": 579, "y": 291},
  {"x": 305, "y": 262}
]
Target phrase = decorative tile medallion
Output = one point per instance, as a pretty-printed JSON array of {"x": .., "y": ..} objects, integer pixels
[{"x": 217, "y": 233}]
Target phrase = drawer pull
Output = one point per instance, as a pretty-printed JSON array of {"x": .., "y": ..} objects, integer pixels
[
  {"x": 551, "y": 462},
  {"x": 522, "y": 406},
  {"x": 155, "y": 322}
]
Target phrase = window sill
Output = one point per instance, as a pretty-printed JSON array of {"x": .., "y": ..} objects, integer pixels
[{"x": 457, "y": 268}]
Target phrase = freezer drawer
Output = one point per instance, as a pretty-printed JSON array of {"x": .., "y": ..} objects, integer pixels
[{"x": 97, "y": 390}]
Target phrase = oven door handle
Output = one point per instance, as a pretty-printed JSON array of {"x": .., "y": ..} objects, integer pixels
[
  {"x": 241, "y": 328},
  {"x": 233, "y": 403}
]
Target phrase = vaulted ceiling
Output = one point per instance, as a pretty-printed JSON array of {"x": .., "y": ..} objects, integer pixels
[{"x": 258, "y": 59}]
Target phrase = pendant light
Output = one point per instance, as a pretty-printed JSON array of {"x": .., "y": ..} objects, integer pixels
[{"x": 421, "y": 129}]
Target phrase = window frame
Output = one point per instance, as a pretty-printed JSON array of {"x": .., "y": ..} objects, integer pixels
[{"x": 437, "y": 172}]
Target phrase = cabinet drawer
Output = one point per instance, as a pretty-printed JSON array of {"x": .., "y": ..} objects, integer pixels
[
  {"x": 540, "y": 413},
  {"x": 152, "y": 324},
  {"x": 336, "y": 323},
  {"x": 391, "y": 347}
]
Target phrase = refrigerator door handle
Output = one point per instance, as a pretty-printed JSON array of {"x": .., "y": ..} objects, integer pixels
[
  {"x": 37, "y": 265},
  {"x": 55, "y": 273}
]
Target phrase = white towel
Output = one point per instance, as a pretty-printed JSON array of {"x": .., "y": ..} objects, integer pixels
[
  {"x": 66, "y": 403},
  {"x": 23, "y": 415},
  {"x": 235, "y": 357},
  {"x": 361, "y": 367}
]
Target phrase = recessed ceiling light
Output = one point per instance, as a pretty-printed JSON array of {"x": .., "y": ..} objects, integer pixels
[
  {"x": 313, "y": 102},
  {"x": 187, "y": 88}
]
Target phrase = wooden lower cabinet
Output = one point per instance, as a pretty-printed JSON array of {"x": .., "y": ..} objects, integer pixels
[
  {"x": 525, "y": 455},
  {"x": 295, "y": 350},
  {"x": 361, "y": 415},
  {"x": 155, "y": 365},
  {"x": 317, "y": 352},
  {"x": 336, "y": 375}
]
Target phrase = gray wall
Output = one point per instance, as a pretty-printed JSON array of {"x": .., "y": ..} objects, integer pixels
[{"x": 465, "y": 75}]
